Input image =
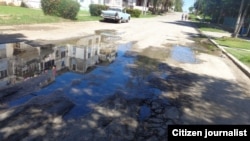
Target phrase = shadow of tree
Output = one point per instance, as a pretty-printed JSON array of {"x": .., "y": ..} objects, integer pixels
[
  {"x": 10, "y": 38},
  {"x": 182, "y": 23}
]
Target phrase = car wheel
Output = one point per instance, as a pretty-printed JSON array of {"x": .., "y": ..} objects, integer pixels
[
  {"x": 120, "y": 21},
  {"x": 128, "y": 20}
]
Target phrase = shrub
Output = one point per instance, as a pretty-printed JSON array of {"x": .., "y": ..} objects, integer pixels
[
  {"x": 134, "y": 12},
  {"x": 23, "y": 4},
  {"x": 96, "y": 9},
  {"x": 68, "y": 9},
  {"x": 50, "y": 7}
]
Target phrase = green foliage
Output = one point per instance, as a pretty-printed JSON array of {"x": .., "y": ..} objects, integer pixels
[
  {"x": 68, "y": 9},
  {"x": 178, "y": 5},
  {"x": 23, "y": 4},
  {"x": 50, "y": 7},
  {"x": 134, "y": 12},
  {"x": 96, "y": 9}
]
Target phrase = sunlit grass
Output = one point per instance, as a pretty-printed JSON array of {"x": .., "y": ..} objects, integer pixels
[
  {"x": 233, "y": 42},
  {"x": 209, "y": 27},
  {"x": 10, "y": 15},
  {"x": 84, "y": 15},
  {"x": 243, "y": 56},
  {"x": 13, "y": 15}
]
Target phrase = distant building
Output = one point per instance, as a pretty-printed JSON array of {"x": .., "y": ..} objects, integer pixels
[
  {"x": 20, "y": 61},
  {"x": 136, "y": 4}
]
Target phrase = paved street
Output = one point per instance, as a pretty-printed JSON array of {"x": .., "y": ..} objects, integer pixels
[{"x": 213, "y": 90}]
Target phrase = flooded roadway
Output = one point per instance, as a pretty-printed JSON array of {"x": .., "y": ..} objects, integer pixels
[{"x": 89, "y": 88}]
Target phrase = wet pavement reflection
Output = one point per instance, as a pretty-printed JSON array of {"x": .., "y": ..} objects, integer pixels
[
  {"x": 87, "y": 89},
  {"x": 89, "y": 79},
  {"x": 183, "y": 54}
]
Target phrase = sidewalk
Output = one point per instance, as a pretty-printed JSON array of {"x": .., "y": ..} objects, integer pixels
[{"x": 238, "y": 63}]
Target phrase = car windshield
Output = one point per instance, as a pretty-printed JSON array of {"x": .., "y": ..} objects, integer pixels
[{"x": 115, "y": 9}]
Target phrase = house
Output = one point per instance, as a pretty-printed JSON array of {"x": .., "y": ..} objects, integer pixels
[
  {"x": 20, "y": 61},
  {"x": 84, "y": 54},
  {"x": 17, "y": 62},
  {"x": 4, "y": 65},
  {"x": 136, "y": 4},
  {"x": 12, "y": 2}
]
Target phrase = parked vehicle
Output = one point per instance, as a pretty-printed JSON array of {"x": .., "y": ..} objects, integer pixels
[{"x": 117, "y": 14}]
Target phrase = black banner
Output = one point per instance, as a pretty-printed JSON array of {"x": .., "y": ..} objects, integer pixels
[{"x": 208, "y": 132}]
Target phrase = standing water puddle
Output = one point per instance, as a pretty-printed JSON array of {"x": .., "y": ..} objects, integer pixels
[
  {"x": 85, "y": 90},
  {"x": 144, "y": 113},
  {"x": 183, "y": 54}
]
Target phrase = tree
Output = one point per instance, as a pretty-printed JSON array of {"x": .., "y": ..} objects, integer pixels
[
  {"x": 217, "y": 9},
  {"x": 178, "y": 5},
  {"x": 160, "y": 6},
  {"x": 241, "y": 17},
  {"x": 191, "y": 9}
]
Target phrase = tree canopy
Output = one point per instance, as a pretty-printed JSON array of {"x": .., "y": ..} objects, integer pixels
[{"x": 217, "y": 9}]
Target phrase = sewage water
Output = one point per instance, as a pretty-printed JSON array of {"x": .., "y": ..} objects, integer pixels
[
  {"x": 144, "y": 113},
  {"x": 183, "y": 54},
  {"x": 85, "y": 90}
]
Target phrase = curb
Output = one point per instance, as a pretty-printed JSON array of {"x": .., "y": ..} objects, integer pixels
[{"x": 242, "y": 66}]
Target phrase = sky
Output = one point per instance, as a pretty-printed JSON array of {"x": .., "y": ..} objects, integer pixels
[{"x": 187, "y": 4}]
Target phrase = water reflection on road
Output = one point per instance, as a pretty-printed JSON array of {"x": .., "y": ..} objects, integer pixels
[
  {"x": 88, "y": 89},
  {"x": 99, "y": 83},
  {"x": 183, "y": 54}
]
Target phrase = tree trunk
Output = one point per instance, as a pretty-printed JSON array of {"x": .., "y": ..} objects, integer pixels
[
  {"x": 237, "y": 26},
  {"x": 242, "y": 21}
]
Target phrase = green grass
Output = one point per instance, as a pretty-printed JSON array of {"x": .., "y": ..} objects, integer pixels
[
  {"x": 243, "y": 56},
  {"x": 193, "y": 17},
  {"x": 10, "y": 15},
  {"x": 85, "y": 16},
  {"x": 233, "y": 42},
  {"x": 209, "y": 27}
]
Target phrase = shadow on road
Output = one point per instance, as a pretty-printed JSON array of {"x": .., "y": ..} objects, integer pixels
[
  {"x": 10, "y": 38},
  {"x": 182, "y": 23},
  {"x": 192, "y": 98}
]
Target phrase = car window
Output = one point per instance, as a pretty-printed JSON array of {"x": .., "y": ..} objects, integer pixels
[{"x": 115, "y": 9}]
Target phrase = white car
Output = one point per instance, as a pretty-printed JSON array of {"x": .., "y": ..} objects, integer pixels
[{"x": 117, "y": 14}]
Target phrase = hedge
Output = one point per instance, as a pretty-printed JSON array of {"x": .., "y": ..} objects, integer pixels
[
  {"x": 67, "y": 9},
  {"x": 134, "y": 12},
  {"x": 96, "y": 9}
]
